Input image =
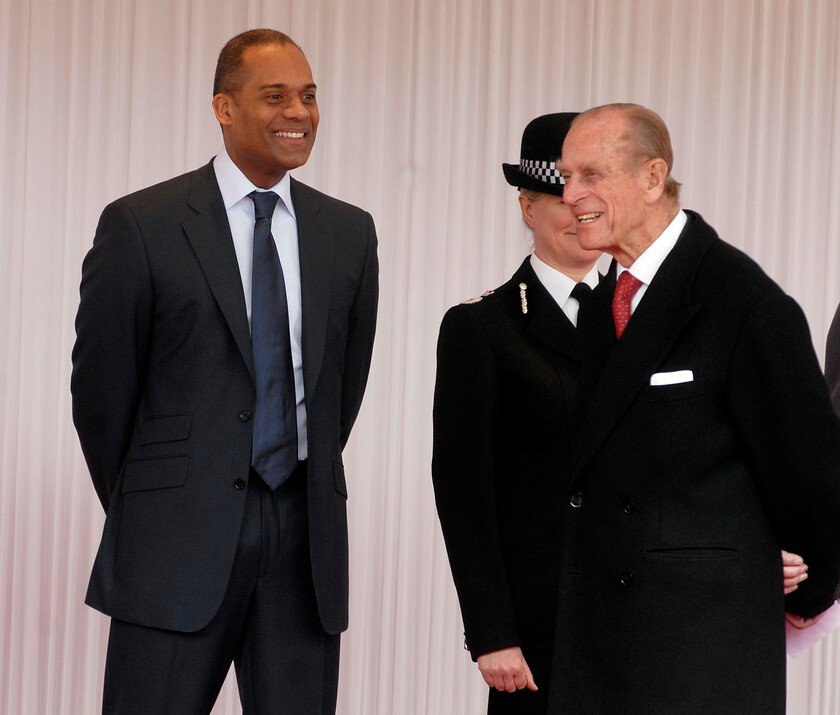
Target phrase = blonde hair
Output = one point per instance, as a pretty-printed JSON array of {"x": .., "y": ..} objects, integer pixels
[{"x": 531, "y": 194}]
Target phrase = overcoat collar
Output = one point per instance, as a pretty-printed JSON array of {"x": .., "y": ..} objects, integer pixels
[
  {"x": 616, "y": 371},
  {"x": 545, "y": 320}
]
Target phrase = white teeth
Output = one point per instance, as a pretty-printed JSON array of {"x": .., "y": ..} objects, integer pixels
[
  {"x": 289, "y": 135},
  {"x": 588, "y": 218}
]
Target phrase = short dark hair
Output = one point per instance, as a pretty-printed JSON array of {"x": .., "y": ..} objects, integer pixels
[{"x": 228, "y": 68}]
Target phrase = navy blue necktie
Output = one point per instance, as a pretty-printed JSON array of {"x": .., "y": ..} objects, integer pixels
[{"x": 274, "y": 450}]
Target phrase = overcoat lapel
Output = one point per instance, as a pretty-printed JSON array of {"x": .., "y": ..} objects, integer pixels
[
  {"x": 545, "y": 320},
  {"x": 661, "y": 317},
  {"x": 316, "y": 246},
  {"x": 209, "y": 234}
]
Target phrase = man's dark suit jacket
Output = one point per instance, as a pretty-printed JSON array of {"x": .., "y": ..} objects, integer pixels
[
  {"x": 505, "y": 386},
  {"x": 670, "y": 597},
  {"x": 163, "y": 392}
]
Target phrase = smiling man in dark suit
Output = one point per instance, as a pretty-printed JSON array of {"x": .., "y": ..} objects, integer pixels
[
  {"x": 708, "y": 443},
  {"x": 223, "y": 344}
]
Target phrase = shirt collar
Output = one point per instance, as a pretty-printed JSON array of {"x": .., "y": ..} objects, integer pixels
[
  {"x": 645, "y": 266},
  {"x": 558, "y": 284},
  {"x": 235, "y": 186}
]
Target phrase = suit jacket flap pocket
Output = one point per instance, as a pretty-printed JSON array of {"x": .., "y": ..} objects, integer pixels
[
  {"x": 171, "y": 428},
  {"x": 144, "y": 474}
]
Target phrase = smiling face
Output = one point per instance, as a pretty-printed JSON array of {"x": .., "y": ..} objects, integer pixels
[
  {"x": 269, "y": 120},
  {"x": 616, "y": 200},
  {"x": 555, "y": 234}
]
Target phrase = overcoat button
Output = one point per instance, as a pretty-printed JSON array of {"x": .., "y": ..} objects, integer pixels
[
  {"x": 239, "y": 485},
  {"x": 245, "y": 415},
  {"x": 576, "y": 500},
  {"x": 626, "y": 578},
  {"x": 629, "y": 507}
]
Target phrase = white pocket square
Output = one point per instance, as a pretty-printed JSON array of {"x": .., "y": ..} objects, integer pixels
[{"x": 671, "y": 378}]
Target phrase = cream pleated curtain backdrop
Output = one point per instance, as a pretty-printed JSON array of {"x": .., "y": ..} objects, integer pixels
[{"x": 421, "y": 101}]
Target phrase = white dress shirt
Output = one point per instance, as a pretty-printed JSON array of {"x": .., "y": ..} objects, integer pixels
[
  {"x": 560, "y": 286},
  {"x": 645, "y": 266},
  {"x": 235, "y": 187}
]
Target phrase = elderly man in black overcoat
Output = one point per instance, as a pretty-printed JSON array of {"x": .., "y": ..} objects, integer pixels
[{"x": 708, "y": 442}]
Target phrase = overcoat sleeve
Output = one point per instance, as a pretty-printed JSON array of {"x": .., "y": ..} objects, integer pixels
[
  {"x": 832, "y": 360},
  {"x": 113, "y": 329},
  {"x": 782, "y": 410},
  {"x": 464, "y": 476}
]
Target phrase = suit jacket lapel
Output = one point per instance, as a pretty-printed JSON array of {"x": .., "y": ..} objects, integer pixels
[
  {"x": 316, "y": 246},
  {"x": 209, "y": 234},
  {"x": 625, "y": 366}
]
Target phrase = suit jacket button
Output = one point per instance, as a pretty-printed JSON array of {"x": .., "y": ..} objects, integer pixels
[
  {"x": 576, "y": 500},
  {"x": 245, "y": 415},
  {"x": 629, "y": 506},
  {"x": 239, "y": 485},
  {"x": 626, "y": 578}
]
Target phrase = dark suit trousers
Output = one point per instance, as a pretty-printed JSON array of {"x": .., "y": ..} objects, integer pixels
[{"x": 267, "y": 625}]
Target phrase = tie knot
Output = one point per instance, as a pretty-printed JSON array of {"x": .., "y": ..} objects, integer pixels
[
  {"x": 581, "y": 291},
  {"x": 264, "y": 203},
  {"x": 626, "y": 286}
]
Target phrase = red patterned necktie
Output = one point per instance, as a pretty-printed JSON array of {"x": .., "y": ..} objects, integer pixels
[{"x": 625, "y": 289}]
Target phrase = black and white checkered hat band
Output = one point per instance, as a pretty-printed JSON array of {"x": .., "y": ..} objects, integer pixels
[{"x": 541, "y": 170}]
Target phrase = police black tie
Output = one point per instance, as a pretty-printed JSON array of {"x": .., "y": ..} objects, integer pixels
[
  {"x": 274, "y": 448},
  {"x": 581, "y": 292}
]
